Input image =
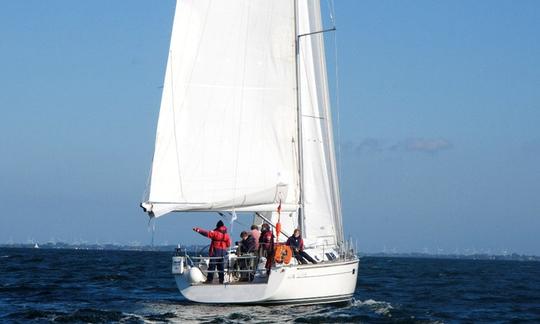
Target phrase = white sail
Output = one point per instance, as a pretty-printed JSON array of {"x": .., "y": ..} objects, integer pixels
[
  {"x": 227, "y": 136},
  {"x": 322, "y": 210},
  {"x": 227, "y": 128}
]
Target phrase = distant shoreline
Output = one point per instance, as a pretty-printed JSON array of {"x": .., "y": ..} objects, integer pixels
[
  {"x": 199, "y": 248},
  {"x": 479, "y": 256}
]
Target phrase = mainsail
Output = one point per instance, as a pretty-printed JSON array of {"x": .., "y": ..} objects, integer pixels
[
  {"x": 228, "y": 129},
  {"x": 227, "y": 124}
]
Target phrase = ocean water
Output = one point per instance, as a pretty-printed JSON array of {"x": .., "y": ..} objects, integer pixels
[{"x": 38, "y": 285}]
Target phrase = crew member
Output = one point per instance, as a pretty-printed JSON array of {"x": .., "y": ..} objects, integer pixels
[
  {"x": 266, "y": 246},
  {"x": 256, "y": 235},
  {"x": 247, "y": 244},
  {"x": 218, "y": 249},
  {"x": 297, "y": 245},
  {"x": 246, "y": 248}
]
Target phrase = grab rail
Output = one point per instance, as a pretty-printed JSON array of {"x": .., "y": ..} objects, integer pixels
[{"x": 234, "y": 267}]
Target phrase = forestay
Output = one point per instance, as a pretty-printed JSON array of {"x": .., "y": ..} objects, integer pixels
[{"x": 227, "y": 128}]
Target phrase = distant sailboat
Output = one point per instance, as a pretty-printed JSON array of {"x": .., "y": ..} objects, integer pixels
[
  {"x": 36, "y": 246},
  {"x": 245, "y": 126}
]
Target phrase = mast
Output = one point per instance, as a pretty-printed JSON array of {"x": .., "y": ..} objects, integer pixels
[{"x": 299, "y": 124}]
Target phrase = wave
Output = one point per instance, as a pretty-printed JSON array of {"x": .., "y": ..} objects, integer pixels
[{"x": 379, "y": 307}]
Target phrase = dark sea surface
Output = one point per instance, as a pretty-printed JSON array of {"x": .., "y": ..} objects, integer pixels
[{"x": 38, "y": 285}]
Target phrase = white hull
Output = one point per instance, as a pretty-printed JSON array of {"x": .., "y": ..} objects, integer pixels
[{"x": 326, "y": 282}]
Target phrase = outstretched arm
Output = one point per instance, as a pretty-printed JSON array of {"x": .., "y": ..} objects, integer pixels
[{"x": 201, "y": 231}]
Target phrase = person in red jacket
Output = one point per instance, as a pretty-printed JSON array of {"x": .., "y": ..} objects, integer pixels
[{"x": 218, "y": 249}]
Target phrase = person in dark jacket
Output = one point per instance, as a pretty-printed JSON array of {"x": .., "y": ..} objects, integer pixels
[
  {"x": 266, "y": 246},
  {"x": 218, "y": 249},
  {"x": 246, "y": 249},
  {"x": 297, "y": 245},
  {"x": 247, "y": 244}
]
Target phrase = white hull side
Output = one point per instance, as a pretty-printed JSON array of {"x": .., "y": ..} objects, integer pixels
[{"x": 299, "y": 284}]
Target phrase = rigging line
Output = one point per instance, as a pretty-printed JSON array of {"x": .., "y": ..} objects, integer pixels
[
  {"x": 312, "y": 116},
  {"x": 318, "y": 32},
  {"x": 270, "y": 223}
]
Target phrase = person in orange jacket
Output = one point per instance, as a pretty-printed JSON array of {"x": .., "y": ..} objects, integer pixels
[{"x": 218, "y": 249}]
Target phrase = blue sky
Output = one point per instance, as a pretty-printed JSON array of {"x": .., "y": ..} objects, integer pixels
[{"x": 439, "y": 115}]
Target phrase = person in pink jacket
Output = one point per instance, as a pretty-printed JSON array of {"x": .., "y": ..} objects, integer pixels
[{"x": 256, "y": 235}]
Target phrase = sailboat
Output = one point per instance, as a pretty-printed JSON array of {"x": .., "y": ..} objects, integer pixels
[{"x": 245, "y": 127}]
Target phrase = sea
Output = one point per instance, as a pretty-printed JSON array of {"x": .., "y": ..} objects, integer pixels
[{"x": 99, "y": 286}]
